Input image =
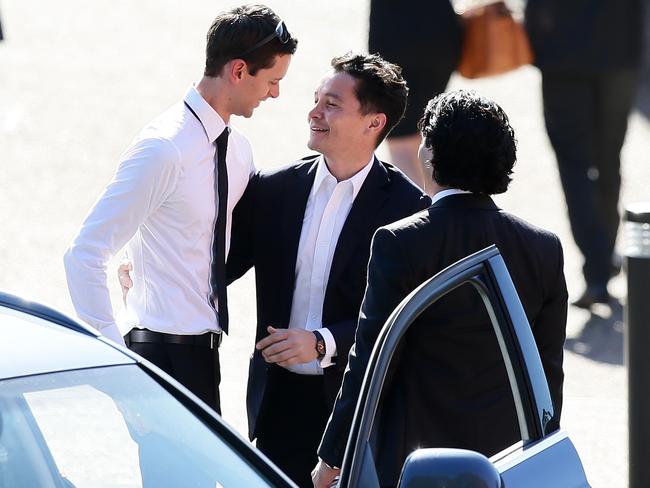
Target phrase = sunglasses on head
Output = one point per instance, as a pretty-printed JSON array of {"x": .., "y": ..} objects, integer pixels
[{"x": 280, "y": 32}]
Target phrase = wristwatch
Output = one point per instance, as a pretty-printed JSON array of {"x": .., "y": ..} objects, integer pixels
[{"x": 320, "y": 345}]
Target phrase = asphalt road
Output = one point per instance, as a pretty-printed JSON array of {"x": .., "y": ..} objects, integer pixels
[{"x": 78, "y": 79}]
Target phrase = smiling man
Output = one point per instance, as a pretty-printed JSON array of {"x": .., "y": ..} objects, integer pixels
[
  {"x": 170, "y": 203},
  {"x": 306, "y": 228}
]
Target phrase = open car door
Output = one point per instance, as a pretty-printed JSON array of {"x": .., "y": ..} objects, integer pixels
[{"x": 542, "y": 459}]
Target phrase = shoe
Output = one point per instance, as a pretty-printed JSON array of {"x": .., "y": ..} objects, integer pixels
[{"x": 592, "y": 295}]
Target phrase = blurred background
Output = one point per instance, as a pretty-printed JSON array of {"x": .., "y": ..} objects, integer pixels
[{"x": 78, "y": 80}]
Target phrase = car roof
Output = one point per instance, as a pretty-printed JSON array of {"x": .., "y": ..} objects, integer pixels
[{"x": 36, "y": 339}]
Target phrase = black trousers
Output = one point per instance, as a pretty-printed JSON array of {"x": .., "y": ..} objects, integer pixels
[
  {"x": 195, "y": 367},
  {"x": 586, "y": 119},
  {"x": 292, "y": 420}
]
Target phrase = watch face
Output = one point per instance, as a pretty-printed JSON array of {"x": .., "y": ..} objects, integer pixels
[{"x": 320, "y": 345}]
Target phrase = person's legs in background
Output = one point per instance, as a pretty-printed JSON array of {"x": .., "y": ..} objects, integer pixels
[
  {"x": 586, "y": 123},
  {"x": 615, "y": 97},
  {"x": 402, "y": 150},
  {"x": 404, "y": 140}
]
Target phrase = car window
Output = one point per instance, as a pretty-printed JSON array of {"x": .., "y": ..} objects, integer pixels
[{"x": 112, "y": 426}]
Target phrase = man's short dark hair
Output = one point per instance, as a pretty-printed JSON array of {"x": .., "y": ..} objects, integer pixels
[
  {"x": 380, "y": 87},
  {"x": 473, "y": 144},
  {"x": 235, "y": 31}
]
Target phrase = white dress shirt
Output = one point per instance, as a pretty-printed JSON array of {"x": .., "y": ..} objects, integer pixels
[
  {"x": 161, "y": 204},
  {"x": 445, "y": 193},
  {"x": 327, "y": 209}
]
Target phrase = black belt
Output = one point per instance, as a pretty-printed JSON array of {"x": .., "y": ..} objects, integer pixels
[{"x": 209, "y": 339}]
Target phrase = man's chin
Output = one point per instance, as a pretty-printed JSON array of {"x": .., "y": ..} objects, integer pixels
[
  {"x": 246, "y": 113},
  {"x": 313, "y": 145}
]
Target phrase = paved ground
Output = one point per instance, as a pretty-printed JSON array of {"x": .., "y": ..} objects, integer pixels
[{"x": 78, "y": 79}]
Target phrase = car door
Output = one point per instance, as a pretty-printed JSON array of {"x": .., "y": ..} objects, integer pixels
[{"x": 543, "y": 457}]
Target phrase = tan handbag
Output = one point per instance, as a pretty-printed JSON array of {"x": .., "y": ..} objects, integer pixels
[{"x": 493, "y": 41}]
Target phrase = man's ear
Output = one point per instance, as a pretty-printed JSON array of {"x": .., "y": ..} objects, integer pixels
[
  {"x": 377, "y": 122},
  {"x": 236, "y": 68}
]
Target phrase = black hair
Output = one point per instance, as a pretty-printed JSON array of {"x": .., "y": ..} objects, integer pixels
[
  {"x": 234, "y": 31},
  {"x": 472, "y": 142},
  {"x": 380, "y": 87}
]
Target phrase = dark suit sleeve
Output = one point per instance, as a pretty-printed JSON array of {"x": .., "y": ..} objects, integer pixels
[
  {"x": 241, "y": 254},
  {"x": 549, "y": 329},
  {"x": 423, "y": 202},
  {"x": 384, "y": 291},
  {"x": 343, "y": 333}
]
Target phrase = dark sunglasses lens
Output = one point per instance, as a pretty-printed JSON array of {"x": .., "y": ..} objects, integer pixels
[{"x": 282, "y": 33}]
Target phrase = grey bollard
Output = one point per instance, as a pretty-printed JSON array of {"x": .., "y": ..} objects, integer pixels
[{"x": 637, "y": 341}]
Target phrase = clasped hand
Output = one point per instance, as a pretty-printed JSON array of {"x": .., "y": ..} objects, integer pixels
[{"x": 287, "y": 347}]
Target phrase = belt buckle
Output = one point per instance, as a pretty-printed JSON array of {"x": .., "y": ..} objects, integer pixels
[{"x": 214, "y": 342}]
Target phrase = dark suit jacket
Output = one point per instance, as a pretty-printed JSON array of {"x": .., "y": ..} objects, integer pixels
[
  {"x": 448, "y": 386},
  {"x": 266, "y": 231}
]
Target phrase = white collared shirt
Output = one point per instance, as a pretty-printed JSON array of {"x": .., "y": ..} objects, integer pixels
[
  {"x": 327, "y": 209},
  {"x": 161, "y": 204},
  {"x": 445, "y": 193}
]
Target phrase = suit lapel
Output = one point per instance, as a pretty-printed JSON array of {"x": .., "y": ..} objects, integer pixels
[
  {"x": 360, "y": 221},
  {"x": 297, "y": 191}
]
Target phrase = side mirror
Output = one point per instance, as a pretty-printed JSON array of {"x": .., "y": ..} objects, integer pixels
[{"x": 448, "y": 468}]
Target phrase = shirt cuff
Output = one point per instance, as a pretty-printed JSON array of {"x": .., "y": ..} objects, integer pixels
[
  {"x": 113, "y": 333},
  {"x": 330, "y": 348}
]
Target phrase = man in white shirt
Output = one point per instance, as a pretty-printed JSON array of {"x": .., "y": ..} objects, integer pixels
[
  {"x": 170, "y": 203},
  {"x": 306, "y": 228}
]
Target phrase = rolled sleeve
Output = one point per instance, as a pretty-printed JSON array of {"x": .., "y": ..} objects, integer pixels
[{"x": 143, "y": 180}]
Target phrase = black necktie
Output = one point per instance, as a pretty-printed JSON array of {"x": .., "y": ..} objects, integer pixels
[{"x": 218, "y": 264}]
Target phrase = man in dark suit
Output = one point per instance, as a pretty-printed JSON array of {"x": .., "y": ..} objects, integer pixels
[
  {"x": 589, "y": 53},
  {"x": 448, "y": 386},
  {"x": 306, "y": 228}
]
